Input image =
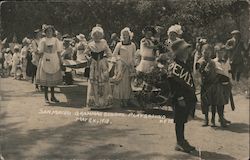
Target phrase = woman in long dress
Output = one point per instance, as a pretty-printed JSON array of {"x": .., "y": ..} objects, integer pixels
[
  {"x": 99, "y": 89},
  {"x": 49, "y": 71},
  {"x": 124, "y": 53}
]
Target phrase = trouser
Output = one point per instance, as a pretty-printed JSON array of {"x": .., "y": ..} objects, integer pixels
[
  {"x": 236, "y": 71},
  {"x": 179, "y": 130},
  {"x": 220, "y": 110},
  {"x": 180, "y": 118}
]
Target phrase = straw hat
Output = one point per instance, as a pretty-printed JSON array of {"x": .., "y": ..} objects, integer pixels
[
  {"x": 81, "y": 37},
  {"x": 235, "y": 32}
]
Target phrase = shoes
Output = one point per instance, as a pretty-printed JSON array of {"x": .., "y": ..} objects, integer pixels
[
  {"x": 53, "y": 99},
  {"x": 205, "y": 123},
  {"x": 46, "y": 100},
  {"x": 184, "y": 146},
  {"x": 192, "y": 147},
  {"x": 213, "y": 123},
  {"x": 223, "y": 123}
]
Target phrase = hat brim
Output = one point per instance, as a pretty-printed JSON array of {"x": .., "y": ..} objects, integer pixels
[
  {"x": 80, "y": 38},
  {"x": 183, "y": 47},
  {"x": 235, "y": 32},
  {"x": 37, "y": 31}
]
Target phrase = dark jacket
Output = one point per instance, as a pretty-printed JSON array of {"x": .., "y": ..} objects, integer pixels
[{"x": 178, "y": 86}]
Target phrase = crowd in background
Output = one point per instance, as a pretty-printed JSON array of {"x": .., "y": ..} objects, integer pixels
[{"x": 21, "y": 61}]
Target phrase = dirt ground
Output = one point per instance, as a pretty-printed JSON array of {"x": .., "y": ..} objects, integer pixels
[{"x": 32, "y": 130}]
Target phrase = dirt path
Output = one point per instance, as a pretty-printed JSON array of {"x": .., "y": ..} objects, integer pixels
[{"x": 34, "y": 131}]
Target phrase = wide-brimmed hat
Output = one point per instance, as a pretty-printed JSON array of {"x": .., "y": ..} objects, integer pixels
[
  {"x": 180, "y": 45},
  {"x": 37, "y": 31},
  {"x": 81, "y": 37},
  {"x": 235, "y": 32},
  {"x": 67, "y": 40},
  {"x": 149, "y": 28}
]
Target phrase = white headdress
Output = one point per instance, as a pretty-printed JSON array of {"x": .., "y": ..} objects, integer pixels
[
  {"x": 175, "y": 28},
  {"x": 126, "y": 29},
  {"x": 97, "y": 29}
]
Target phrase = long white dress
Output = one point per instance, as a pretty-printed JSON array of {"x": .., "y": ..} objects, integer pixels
[
  {"x": 125, "y": 55},
  {"x": 99, "y": 90}
]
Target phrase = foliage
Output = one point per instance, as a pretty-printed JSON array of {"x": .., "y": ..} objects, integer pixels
[{"x": 199, "y": 17}]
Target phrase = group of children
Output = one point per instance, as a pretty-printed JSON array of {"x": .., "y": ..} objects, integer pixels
[
  {"x": 17, "y": 62},
  {"x": 23, "y": 61}
]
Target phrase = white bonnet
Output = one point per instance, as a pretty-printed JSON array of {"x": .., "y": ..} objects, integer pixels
[
  {"x": 126, "y": 29},
  {"x": 97, "y": 29},
  {"x": 175, "y": 28}
]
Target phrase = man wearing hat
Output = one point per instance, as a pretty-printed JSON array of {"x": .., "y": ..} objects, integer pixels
[
  {"x": 183, "y": 92},
  {"x": 236, "y": 50}
]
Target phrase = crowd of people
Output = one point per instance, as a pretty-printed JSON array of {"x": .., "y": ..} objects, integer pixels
[{"x": 41, "y": 60}]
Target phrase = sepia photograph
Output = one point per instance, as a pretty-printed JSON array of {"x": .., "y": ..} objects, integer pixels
[{"x": 124, "y": 80}]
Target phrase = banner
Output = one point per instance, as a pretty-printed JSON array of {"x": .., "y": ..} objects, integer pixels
[{"x": 181, "y": 74}]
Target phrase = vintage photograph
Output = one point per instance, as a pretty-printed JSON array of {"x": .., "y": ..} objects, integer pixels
[{"x": 124, "y": 80}]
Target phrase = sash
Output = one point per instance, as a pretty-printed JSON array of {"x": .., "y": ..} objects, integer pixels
[{"x": 182, "y": 75}]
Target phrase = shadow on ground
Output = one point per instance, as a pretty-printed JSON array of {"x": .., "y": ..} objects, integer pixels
[
  {"x": 236, "y": 127},
  {"x": 62, "y": 140}
]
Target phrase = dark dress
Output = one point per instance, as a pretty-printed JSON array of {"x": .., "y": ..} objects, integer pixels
[{"x": 31, "y": 68}]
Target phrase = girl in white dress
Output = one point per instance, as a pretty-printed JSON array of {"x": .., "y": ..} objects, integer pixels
[
  {"x": 99, "y": 90},
  {"x": 148, "y": 56},
  {"x": 16, "y": 60},
  {"x": 124, "y": 54},
  {"x": 49, "y": 68}
]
